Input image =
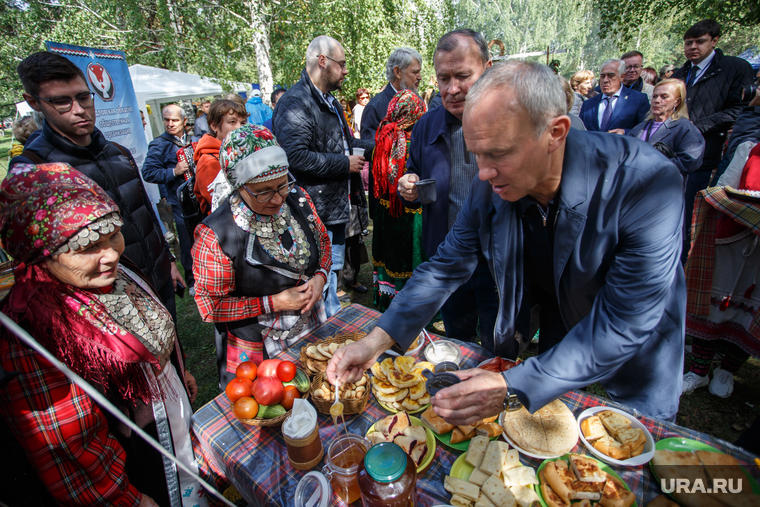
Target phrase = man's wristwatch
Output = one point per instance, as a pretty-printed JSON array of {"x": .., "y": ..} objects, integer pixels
[{"x": 512, "y": 402}]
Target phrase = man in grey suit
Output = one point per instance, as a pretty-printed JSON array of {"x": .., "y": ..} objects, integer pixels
[{"x": 591, "y": 219}]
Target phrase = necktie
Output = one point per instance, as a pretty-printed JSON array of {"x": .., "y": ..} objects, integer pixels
[
  {"x": 607, "y": 114},
  {"x": 693, "y": 71}
]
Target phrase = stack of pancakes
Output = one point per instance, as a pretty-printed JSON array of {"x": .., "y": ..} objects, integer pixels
[{"x": 550, "y": 431}]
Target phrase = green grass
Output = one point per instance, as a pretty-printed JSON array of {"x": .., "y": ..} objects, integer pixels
[{"x": 701, "y": 411}]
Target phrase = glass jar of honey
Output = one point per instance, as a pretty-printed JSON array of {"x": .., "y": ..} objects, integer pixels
[
  {"x": 344, "y": 456},
  {"x": 387, "y": 477}
]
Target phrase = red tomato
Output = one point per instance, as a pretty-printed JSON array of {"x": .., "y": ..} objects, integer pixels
[
  {"x": 269, "y": 391},
  {"x": 237, "y": 388},
  {"x": 246, "y": 408},
  {"x": 268, "y": 368},
  {"x": 286, "y": 371},
  {"x": 246, "y": 369},
  {"x": 253, "y": 386},
  {"x": 291, "y": 393}
]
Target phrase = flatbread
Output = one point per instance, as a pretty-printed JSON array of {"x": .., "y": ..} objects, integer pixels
[{"x": 551, "y": 431}]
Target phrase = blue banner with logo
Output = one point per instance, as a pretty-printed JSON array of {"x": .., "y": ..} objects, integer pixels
[{"x": 116, "y": 112}]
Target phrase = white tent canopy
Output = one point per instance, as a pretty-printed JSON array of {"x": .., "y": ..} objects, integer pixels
[{"x": 154, "y": 86}]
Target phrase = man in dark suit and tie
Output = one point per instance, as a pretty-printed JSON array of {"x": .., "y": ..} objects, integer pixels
[
  {"x": 617, "y": 109},
  {"x": 713, "y": 95}
]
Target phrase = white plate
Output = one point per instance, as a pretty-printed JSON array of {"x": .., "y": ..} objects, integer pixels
[
  {"x": 410, "y": 352},
  {"x": 643, "y": 458},
  {"x": 520, "y": 449}
]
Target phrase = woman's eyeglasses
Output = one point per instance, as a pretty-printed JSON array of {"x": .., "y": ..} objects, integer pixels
[
  {"x": 267, "y": 195},
  {"x": 64, "y": 104}
]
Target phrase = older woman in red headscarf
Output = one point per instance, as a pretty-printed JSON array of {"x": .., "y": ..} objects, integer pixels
[
  {"x": 97, "y": 314},
  {"x": 396, "y": 247}
]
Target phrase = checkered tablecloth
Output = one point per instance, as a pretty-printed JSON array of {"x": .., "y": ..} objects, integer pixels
[{"x": 255, "y": 459}]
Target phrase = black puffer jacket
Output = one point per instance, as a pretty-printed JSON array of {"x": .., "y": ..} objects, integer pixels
[
  {"x": 115, "y": 173},
  {"x": 715, "y": 101},
  {"x": 310, "y": 133}
]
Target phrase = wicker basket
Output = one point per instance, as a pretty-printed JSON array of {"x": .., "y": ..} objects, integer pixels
[
  {"x": 350, "y": 407},
  {"x": 338, "y": 338},
  {"x": 275, "y": 421}
]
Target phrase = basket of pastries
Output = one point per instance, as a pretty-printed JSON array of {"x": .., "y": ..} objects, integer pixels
[
  {"x": 315, "y": 356},
  {"x": 353, "y": 395}
]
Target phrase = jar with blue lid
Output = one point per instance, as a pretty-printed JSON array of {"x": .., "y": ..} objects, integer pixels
[{"x": 387, "y": 477}]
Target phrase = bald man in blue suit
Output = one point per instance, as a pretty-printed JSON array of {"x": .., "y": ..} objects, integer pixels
[{"x": 627, "y": 108}]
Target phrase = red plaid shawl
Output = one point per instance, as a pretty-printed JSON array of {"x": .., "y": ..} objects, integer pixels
[{"x": 708, "y": 206}]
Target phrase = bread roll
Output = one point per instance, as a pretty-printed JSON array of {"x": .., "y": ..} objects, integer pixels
[{"x": 612, "y": 448}]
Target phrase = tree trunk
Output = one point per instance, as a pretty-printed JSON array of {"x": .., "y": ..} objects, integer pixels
[
  {"x": 261, "y": 47},
  {"x": 181, "y": 63}
]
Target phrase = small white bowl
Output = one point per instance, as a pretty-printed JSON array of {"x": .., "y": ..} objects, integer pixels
[
  {"x": 410, "y": 352},
  {"x": 428, "y": 352},
  {"x": 642, "y": 459}
]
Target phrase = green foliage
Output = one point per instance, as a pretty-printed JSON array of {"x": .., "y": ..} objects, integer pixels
[{"x": 739, "y": 19}]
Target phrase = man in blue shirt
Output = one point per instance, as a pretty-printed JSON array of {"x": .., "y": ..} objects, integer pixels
[{"x": 591, "y": 219}]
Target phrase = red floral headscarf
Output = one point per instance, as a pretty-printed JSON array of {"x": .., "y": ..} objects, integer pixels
[
  {"x": 42, "y": 206},
  {"x": 389, "y": 158}
]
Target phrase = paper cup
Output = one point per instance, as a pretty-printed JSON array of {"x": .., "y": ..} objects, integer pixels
[{"x": 359, "y": 151}]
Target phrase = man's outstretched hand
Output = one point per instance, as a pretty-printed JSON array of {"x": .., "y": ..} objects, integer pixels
[{"x": 480, "y": 394}]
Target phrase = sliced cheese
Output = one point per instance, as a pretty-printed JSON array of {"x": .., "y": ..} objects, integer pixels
[
  {"x": 520, "y": 476},
  {"x": 498, "y": 493},
  {"x": 478, "y": 477},
  {"x": 462, "y": 488},
  {"x": 458, "y": 501},
  {"x": 525, "y": 497},
  {"x": 483, "y": 501},
  {"x": 492, "y": 460},
  {"x": 511, "y": 460},
  {"x": 476, "y": 451}
]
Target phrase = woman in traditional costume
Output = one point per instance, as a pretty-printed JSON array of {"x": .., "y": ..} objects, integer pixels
[
  {"x": 99, "y": 315},
  {"x": 723, "y": 271},
  {"x": 396, "y": 244},
  {"x": 261, "y": 259}
]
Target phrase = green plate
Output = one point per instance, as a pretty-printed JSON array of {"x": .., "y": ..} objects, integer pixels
[
  {"x": 430, "y": 441},
  {"x": 677, "y": 444},
  {"x": 566, "y": 458}
]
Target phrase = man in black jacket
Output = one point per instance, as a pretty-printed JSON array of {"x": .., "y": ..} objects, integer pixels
[
  {"x": 403, "y": 73},
  {"x": 58, "y": 89},
  {"x": 310, "y": 127},
  {"x": 713, "y": 95}
]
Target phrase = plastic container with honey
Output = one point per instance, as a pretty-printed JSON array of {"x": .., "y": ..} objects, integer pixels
[
  {"x": 344, "y": 456},
  {"x": 387, "y": 477}
]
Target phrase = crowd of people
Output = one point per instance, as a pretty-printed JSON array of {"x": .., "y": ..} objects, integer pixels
[{"x": 513, "y": 201}]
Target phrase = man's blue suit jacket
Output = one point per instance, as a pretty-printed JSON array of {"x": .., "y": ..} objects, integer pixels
[
  {"x": 631, "y": 109},
  {"x": 617, "y": 271}
]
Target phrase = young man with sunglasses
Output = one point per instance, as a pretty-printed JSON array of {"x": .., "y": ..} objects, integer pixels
[{"x": 58, "y": 89}]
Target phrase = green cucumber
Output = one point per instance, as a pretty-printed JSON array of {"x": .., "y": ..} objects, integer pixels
[
  {"x": 300, "y": 381},
  {"x": 271, "y": 411}
]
